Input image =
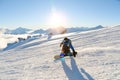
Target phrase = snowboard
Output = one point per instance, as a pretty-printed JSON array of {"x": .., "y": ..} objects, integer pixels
[
  {"x": 62, "y": 57},
  {"x": 57, "y": 57}
]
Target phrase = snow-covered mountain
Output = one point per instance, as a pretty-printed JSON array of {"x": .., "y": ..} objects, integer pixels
[
  {"x": 80, "y": 29},
  {"x": 69, "y": 30},
  {"x": 39, "y": 31},
  {"x": 98, "y": 57},
  {"x": 21, "y": 30}
]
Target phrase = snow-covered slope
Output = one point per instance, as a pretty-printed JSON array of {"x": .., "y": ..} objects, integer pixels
[{"x": 98, "y": 58}]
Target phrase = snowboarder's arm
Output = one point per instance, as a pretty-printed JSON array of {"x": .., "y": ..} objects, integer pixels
[
  {"x": 71, "y": 46},
  {"x": 61, "y": 43}
]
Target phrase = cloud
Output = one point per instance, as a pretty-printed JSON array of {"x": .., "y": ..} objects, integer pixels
[{"x": 3, "y": 43}]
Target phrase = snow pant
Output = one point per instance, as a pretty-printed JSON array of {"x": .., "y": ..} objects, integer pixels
[{"x": 65, "y": 51}]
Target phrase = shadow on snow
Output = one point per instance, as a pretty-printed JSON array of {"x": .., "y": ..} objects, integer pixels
[{"x": 74, "y": 73}]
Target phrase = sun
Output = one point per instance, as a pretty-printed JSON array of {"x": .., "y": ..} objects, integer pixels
[{"x": 57, "y": 19}]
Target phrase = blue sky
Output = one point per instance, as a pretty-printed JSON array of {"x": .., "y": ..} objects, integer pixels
[{"x": 35, "y": 14}]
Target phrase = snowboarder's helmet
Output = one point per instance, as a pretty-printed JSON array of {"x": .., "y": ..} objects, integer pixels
[{"x": 65, "y": 38}]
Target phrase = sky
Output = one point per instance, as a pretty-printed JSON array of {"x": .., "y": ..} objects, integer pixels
[{"x": 36, "y": 14}]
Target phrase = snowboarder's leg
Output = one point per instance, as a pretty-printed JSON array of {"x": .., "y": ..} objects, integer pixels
[
  {"x": 74, "y": 53},
  {"x": 69, "y": 54}
]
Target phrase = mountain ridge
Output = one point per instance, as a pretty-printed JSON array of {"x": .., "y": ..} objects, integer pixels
[{"x": 21, "y": 30}]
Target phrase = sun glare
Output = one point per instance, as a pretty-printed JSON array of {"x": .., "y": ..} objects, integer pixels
[{"x": 57, "y": 19}]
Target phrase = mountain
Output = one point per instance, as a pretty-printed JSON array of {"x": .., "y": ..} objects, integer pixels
[
  {"x": 39, "y": 31},
  {"x": 80, "y": 29},
  {"x": 68, "y": 30},
  {"x": 97, "y": 27},
  {"x": 20, "y": 30},
  {"x": 33, "y": 59}
]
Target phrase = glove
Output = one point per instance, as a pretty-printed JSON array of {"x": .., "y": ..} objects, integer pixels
[{"x": 74, "y": 53}]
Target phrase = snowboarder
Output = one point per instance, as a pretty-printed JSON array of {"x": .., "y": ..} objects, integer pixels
[{"x": 66, "y": 46}]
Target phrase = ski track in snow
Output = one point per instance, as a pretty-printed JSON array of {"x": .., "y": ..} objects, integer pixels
[{"x": 98, "y": 58}]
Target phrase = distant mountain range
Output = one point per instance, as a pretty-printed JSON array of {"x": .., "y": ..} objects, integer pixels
[
  {"x": 79, "y": 29},
  {"x": 21, "y": 30}
]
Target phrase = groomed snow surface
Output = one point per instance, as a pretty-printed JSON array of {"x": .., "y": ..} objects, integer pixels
[{"x": 98, "y": 57}]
